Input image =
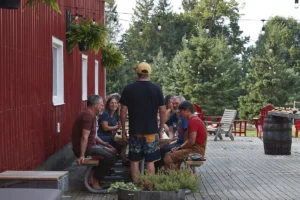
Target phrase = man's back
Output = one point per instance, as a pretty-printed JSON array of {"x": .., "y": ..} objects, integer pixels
[{"x": 143, "y": 99}]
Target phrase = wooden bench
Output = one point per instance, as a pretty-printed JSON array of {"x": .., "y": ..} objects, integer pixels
[
  {"x": 30, "y": 194},
  {"x": 193, "y": 164},
  {"x": 38, "y": 179}
]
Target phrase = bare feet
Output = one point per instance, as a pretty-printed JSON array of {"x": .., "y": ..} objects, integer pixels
[{"x": 96, "y": 184}]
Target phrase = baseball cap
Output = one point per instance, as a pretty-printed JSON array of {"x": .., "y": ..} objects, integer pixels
[{"x": 143, "y": 68}]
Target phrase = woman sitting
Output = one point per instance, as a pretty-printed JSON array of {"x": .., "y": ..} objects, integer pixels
[{"x": 109, "y": 123}]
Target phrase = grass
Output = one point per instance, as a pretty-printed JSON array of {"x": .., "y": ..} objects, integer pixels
[{"x": 252, "y": 132}]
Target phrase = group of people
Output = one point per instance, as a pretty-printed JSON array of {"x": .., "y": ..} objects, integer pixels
[{"x": 150, "y": 115}]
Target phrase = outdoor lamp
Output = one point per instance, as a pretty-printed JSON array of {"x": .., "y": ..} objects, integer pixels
[
  {"x": 186, "y": 40},
  {"x": 263, "y": 30},
  {"x": 296, "y": 4},
  {"x": 206, "y": 29},
  {"x": 158, "y": 26},
  {"x": 141, "y": 31},
  {"x": 270, "y": 50}
]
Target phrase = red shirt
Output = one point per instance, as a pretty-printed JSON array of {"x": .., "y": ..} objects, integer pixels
[{"x": 197, "y": 125}]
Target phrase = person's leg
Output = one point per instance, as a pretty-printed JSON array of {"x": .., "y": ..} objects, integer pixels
[
  {"x": 163, "y": 152},
  {"x": 151, "y": 151},
  {"x": 135, "y": 155},
  {"x": 174, "y": 159},
  {"x": 135, "y": 170},
  {"x": 104, "y": 165}
]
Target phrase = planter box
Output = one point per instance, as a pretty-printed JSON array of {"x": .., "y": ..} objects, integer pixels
[
  {"x": 124, "y": 194},
  {"x": 10, "y": 4}
]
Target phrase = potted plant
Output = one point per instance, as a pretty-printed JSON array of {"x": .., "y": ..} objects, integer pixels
[
  {"x": 87, "y": 35},
  {"x": 111, "y": 57},
  {"x": 168, "y": 184}
]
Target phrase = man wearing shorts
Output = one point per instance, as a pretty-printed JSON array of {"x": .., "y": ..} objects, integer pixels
[
  {"x": 142, "y": 99},
  {"x": 196, "y": 137}
]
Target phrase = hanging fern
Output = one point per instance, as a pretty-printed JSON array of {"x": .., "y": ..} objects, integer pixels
[
  {"x": 85, "y": 31},
  {"x": 51, "y": 3},
  {"x": 111, "y": 57}
]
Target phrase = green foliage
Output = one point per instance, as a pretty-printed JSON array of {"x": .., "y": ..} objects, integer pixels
[
  {"x": 274, "y": 77},
  {"x": 111, "y": 57},
  {"x": 116, "y": 185},
  {"x": 92, "y": 34},
  {"x": 51, "y": 3},
  {"x": 169, "y": 180}
]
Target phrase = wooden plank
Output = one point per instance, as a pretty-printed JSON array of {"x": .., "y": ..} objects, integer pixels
[
  {"x": 90, "y": 162},
  {"x": 33, "y": 175}
]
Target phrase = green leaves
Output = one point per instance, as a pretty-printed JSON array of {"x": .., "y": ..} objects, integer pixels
[
  {"x": 111, "y": 57},
  {"x": 169, "y": 180},
  {"x": 85, "y": 31}
]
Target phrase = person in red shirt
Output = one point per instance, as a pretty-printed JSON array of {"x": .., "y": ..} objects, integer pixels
[{"x": 196, "y": 137}]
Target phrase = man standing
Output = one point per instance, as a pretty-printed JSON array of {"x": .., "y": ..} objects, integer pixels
[
  {"x": 142, "y": 100},
  {"x": 84, "y": 141}
]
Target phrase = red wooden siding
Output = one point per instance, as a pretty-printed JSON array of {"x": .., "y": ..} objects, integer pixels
[{"x": 28, "y": 119}]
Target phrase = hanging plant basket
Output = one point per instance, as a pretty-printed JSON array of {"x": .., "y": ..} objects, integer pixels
[
  {"x": 10, "y": 4},
  {"x": 85, "y": 33},
  {"x": 83, "y": 46},
  {"x": 111, "y": 57}
]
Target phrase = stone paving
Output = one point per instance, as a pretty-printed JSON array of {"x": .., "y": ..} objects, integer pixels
[{"x": 234, "y": 170}]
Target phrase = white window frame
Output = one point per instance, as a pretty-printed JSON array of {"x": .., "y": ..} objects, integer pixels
[
  {"x": 96, "y": 77},
  {"x": 58, "y": 68},
  {"x": 84, "y": 76}
]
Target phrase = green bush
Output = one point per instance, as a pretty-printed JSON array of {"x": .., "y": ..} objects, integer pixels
[
  {"x": 111, "y": 57},
  {"x": 169, "y": 180}
]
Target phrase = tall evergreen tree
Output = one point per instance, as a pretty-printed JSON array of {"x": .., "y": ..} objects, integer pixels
[
  {"x": 274, "y": 78},
  {"x": 112, "y": 21},
  {"x": 143, "y": 11}
]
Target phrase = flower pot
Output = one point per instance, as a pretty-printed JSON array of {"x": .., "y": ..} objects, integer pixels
[
  {"x": 10, "y": 4},
  {"x": 83, "y": 46},
  {"x": 124, "y": 194}
]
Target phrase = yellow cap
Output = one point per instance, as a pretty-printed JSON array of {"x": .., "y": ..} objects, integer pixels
[{"x": 143, "y": 68}]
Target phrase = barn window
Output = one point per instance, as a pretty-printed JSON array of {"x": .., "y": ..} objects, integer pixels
[{"x": 58, "y": 72}]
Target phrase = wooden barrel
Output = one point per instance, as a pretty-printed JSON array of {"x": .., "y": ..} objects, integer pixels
[
  {"x": 277, "y": 135},
  {"x": 124, "y": 194}
]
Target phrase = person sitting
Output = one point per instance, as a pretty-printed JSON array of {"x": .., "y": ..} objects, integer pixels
[
  {"x": 109, "y": 123},
  {"x": 84, "y": 141},
  {"x": 196, "y": 137},
  {"x": 179, "y": 125}
]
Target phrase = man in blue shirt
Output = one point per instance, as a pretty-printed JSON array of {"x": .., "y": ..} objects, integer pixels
[{"x": 177, "y": 125}]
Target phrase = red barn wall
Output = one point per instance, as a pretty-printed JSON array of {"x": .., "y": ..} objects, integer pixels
[{"x": 28, "y": 118}]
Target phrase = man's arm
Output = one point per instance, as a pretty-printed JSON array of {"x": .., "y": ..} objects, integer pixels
[
  {"x": 100, "y": 141},
  {"x": 123, "y": 115},
  {"x": 191, "y": 139},
  {"x": 83, "y": 145},
  {"x": 163, "y": 119}
]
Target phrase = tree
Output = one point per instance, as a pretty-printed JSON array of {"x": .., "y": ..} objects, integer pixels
[
  {"x": 143, "y": 11},
  {"x": 112, "y": 21},
  {"x": 274, "y": 78}
]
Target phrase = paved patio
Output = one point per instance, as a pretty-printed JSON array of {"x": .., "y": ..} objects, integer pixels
[{"x": 234, "y": 170}]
